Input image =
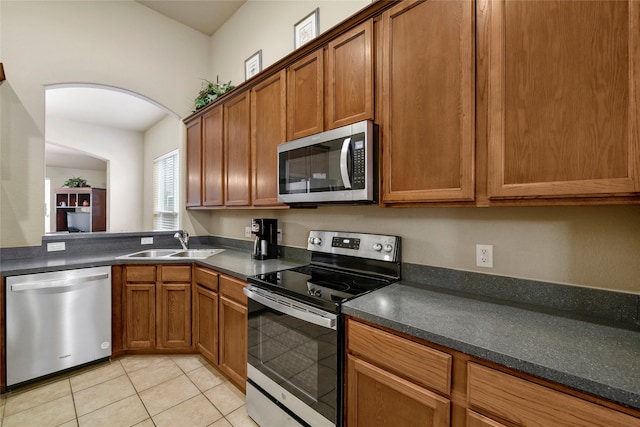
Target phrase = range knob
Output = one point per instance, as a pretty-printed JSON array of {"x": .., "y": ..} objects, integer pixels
[
  {"x": 388, "y": 248},
  {"x": 377, "y": 247},
  {"x": 315, "y": 240}
]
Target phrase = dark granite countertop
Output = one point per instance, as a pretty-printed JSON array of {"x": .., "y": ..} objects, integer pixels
[
  {"x": 590, "y": 357},
  {"x": 232, "y": 261}
]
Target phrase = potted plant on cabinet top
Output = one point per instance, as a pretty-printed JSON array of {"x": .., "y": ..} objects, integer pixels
[{"x": 210, "y": 91}]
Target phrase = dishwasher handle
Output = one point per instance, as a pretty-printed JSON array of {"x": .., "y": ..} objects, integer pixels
[{"x": 57, "y": 283}]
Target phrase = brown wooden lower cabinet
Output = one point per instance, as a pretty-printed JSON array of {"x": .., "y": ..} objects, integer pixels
[
  {"x": 205, "y": 312},
  {"x": 379, "y": 398},
  {"x": 233, "y": 330},
  {"x": 397, "y": 380},
  {"x": 157, "y": 307},
  {"x": 505, "y": 397},
  {"x": 476, "y": 420},
  {"x": 220, "y": 322}
]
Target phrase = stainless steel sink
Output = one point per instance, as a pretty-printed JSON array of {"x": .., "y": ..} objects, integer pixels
[
  {"x": 151, "y": 253},
  {"x": 196, "y": 253},
  {"x": 159, "y": 254}
]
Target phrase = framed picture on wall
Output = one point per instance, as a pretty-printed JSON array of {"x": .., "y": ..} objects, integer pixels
[
  {"x": 253, "y": 65},
  {"x": 306, "y": 29}
]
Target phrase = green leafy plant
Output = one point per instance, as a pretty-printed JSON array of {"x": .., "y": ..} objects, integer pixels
[
  {"x": 210, "y": 91},
  {"x": 76, "y": 182}
]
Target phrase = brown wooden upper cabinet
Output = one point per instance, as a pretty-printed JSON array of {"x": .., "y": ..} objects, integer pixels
[
  {"x": 427, "y": 129},
  {"x": 194, "y": 163},
  {"x": 237, "y": 150},
  {"x": 563, "y": 97},
  {"x": 349, "y": 84},
  {"x": 305, "y": 101},
  {"x": 212, "y": 158},
  {"x": 268, "y": 129},
  {"x": 336, "y": 92}
]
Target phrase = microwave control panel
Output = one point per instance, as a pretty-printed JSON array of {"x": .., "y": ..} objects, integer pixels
[{"x": 359, "y": 161}]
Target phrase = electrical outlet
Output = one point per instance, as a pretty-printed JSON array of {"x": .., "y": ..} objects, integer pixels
[
  {"x": 146, "y": 240},
  {"x": 247, "y": 232},
  {"x": 279, "y": 234},
  {"x": 56, "y": 246},
  {"x": 484, "y": 256}
]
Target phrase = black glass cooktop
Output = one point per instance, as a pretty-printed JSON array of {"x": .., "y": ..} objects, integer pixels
[{"x": 318, "y": 286}]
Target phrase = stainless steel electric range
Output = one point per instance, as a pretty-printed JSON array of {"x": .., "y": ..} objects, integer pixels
[{"x": 296, "y": 328}]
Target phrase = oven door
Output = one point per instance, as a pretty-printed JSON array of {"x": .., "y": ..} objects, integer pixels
[{"x": 294, "y": 359}]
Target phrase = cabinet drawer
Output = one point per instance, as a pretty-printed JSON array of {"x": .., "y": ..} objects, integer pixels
[
  {"x": 418, "y": 363},
  {"x": 140, "y": 274},
  {"x": 175, "y": 273},
  {"x": 206, "y": 278},
  {"x": 525, "y": 403},
  {"x": 233, "y": 289}
]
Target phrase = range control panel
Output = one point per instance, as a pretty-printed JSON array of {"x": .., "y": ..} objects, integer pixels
[
  {"x": 372, "y": 246},
  {"x": 345, "y": 242}
]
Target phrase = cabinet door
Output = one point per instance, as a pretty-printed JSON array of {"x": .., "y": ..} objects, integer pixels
[
  {"x": 206, "y": 323},
  {"x": 562, "y": 97},
  {"x": 174, "y": 315},
  {"x": 237, "y": 148},
  {"x": 427, "y": 101},
  {"x": 140, "y": 316},
  {"x": 268, "y": 129},
  {"x": 350, "y": 75},
  {"x": 305, "y": 100},
  {"x": 528, "y": 404},
  {"x": 377, "y": 398},
  {"x": 476, "y": 420},
  {"x": 233, "y": 331},
  {"x": 212, "y": 155},
  {"x": 194, "y": 162}
]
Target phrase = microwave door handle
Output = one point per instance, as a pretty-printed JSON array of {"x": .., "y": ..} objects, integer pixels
[{"x": 344, "y": 170}]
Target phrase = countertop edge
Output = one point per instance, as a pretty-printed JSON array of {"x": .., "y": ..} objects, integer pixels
[{"x": 582, "y": 384}]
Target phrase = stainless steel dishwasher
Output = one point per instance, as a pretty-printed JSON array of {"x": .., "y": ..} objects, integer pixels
[{"x": 56, "y": 321}]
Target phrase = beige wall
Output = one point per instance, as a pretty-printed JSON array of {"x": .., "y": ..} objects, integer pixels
[
  {"x": 597, "y": 246},
  {"x": 114, "y": 43},
  {"x": 268, "y": 26}
]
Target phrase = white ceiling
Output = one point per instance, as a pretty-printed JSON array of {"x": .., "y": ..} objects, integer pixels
[
  {"x": 62, "y": 157},
  {"x": 120, "y": 109},
  {"x": 103, "y": 106}
]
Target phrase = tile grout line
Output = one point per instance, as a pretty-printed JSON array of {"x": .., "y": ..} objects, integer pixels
[{"x": 137, "y": 394}]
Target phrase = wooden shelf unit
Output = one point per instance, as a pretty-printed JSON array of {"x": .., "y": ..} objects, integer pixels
[{"x": 89, "y": 200}]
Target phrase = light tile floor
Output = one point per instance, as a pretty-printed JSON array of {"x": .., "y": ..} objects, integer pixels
[{"x": 141, "y": 391}]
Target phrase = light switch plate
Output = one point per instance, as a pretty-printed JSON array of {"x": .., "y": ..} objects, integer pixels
[{"x": 146, "y": 240}]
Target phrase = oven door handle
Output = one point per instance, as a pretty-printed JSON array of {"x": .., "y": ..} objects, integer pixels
[{"x": 293, "y": 309}]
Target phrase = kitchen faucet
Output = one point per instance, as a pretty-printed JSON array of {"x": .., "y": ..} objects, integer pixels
[{"x": 183, "y": 238}]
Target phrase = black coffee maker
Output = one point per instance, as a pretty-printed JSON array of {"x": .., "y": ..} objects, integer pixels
[{"x": 266, "y": 244}]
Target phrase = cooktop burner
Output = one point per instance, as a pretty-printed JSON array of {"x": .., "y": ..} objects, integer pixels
[
  {"x": 319, "y": 286},
  {"x": 343, "y": 265}
]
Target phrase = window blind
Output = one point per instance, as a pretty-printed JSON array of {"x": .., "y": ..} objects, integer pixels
[{"x": 165, "y": 192}]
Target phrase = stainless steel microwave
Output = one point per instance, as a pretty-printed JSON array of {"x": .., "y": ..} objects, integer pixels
[{"x": 336, "y": 166}]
